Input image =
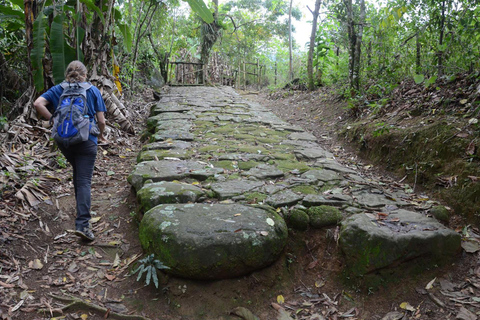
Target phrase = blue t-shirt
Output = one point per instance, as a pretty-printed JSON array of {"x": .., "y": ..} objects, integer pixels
[{"x": 94, "y": 101}]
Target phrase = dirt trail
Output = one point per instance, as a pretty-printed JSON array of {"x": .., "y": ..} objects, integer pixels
[{"x": 306, "y": 277}]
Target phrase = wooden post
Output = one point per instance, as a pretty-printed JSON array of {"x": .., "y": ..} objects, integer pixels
[
  {"x": 258, "y": 74},
  {"x": 244, "y": 76},
  {"x": 168, "y": 64},
  {"x": 275, "y": 73}
]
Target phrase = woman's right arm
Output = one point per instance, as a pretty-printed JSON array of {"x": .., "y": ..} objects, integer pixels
[{"x": 41, "y": 106}]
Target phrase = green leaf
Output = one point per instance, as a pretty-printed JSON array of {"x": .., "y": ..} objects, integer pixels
[
  {"x": 39, "y": 31},
  {"x": 18, "y": 3},
  {"x": 149, "y": 275},
  {"x": 199, "y": 7},
  {"x": 155, "y": 278},
  {"x": 91, "y": 5},
  {"x": 418, "y": 78},
  {"x": 57, "y": 48},
  {"x": 127, "y": 36},
  {"x": 142, "y": 269},
  {"x": 430, "y": 81},
  {"x": 11, "y": 13}
]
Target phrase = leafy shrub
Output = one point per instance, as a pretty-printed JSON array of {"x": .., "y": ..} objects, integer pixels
[{"x": 149, "y": 265}]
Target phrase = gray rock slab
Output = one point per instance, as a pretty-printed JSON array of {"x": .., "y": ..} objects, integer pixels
[
  {"x": 264, "y": 171},
  {"x": 321, "y": 175},
  {"x": 331, "y": 200},
  {"x": 244, "y": 157},
  {"x": 313, "y": 154},
  {"x": 164, "y": 170},
  {"x": 173, "y": 135},
  {"x": 160, "y": 154},
  {"x": 375, "y": 200},
  {"x": 177, "y": 125},
  {"x": 165, "y": 145},
  {"x": 300, "y": 143},
  {"x": 284, "y": 198},
  {"x": 164, "y": 192},
  {"x": 171, "y": 107},
  {"x": 213, "y": 241},
  {"x": 333, "y": 165},
  {"x": 229, "y": 118},
  {"x": 401, "y": 238},
  {"x": 153, "y": 121},
  {"x": 302, "y": 136},
  {"x": 232, "y": 188}
]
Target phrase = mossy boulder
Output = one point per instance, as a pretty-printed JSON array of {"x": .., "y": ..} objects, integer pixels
[
  {"x": 440, "y": 213},
  {"x": 298, "y": 219},
  {"x": 213, "y": 241},
  {"x": 324, "y": 216},
  {"x": 406, "y": 241},
  {"x": 163, "y": 192}
]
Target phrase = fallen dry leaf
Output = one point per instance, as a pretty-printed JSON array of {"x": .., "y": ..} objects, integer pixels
[{"x": 35, "y": 264}]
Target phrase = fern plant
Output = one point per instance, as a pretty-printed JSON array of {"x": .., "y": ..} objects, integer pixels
[{"x": 149, "y": 266}]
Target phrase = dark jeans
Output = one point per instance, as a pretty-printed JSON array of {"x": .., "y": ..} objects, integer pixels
[{"x": 82, "y": 158}]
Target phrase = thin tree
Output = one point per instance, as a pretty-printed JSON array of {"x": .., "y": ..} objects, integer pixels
[
  {"x": 355, "y": 43},
  {"x": 311, "y": 84},
  {"x": 290, "y": 69}
]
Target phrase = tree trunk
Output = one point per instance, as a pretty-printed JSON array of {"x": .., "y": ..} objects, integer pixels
[
  {"x": 358, "y": 47},
  {"x": 355, "y": 41},
  {"x": 30, "y": 14},
  {"x": 290, "y": 69},
  {"x": 418, "y": 67},
  {"x": 148, "y": 19},
  {"x": 352, "y": 42},
  {"x": 209, "y": 37},
  {"x": 440, "y": 42},
  {"x": 311, "y": 84}
]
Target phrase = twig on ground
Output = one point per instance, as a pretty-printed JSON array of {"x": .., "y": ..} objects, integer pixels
[{"x": 81, "y": 304}]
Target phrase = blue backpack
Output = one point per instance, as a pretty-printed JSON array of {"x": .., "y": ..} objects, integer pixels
[{"x": 71, "y": 123}]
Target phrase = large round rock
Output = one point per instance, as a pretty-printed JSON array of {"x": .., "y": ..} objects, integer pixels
[{"x": 213, "y": 241}]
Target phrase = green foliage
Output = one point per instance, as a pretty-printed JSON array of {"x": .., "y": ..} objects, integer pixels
[
  {"x": 382, "y": 128},
  {"x": 418, "y": 78},
  {"x": 62, "y": 53},
  {"x": 149, "y": 266},
  {"x": 38, "y": 52},
  {"x": 201, "y": 9}
]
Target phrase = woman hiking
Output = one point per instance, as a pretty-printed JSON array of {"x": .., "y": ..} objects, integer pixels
[{"x": 81, "y": 155}]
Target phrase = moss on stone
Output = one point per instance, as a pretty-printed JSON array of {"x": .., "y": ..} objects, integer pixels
[
  {"x": 305, "y": 189},
  {"x": 233, "y": 176},
  {"x": 243, "y": 136},
  {"x": 440, "y": 213},
  {"x": 298, "y": 219},
  {"x": 251, "y": 196},
  {"x": 270, "y": 139},
  {"x": 247, "y": 165},
  {"x": 324, "y": 216},
  {"x": 251, "y": 149},
  {"x": 288, "y": 165},
  {"x": 226, "y": 129},
  {"x": 225, "y": 164},
  {"x": 210, "y": 148},
  {"x": 283, "y": 156}
]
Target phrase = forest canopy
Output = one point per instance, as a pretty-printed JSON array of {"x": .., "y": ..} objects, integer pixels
[{"x": 359, "y": 45}]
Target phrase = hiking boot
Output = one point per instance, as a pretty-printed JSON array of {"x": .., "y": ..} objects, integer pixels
[{"x": 85, "y": 234}]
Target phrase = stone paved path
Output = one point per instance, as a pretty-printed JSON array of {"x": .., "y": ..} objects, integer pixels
[{"x": 222, "y": 179}]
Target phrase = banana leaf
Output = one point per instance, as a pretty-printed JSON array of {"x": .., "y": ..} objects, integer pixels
[
  {"x": 62, "y": 53},
  {"x": 201, "y": 9},
  {"x": 91, "y": 5},
  {"x": 7, "y": 12},
  {"x": 127, "y": 35}
]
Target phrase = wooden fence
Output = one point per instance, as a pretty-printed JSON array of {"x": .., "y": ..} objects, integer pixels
[{"x": 193, "y": 74}]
